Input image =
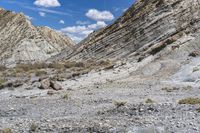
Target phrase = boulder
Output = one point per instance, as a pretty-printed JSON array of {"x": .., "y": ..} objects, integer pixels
[
  {"x": 48, "y": 84},
  {"x": 55, "y": 86},
  {"x": 45, "y": 84}
]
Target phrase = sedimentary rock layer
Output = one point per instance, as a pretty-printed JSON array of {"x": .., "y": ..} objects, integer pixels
[
  {"x": 21, "y": 42},
  {"x": 144, "y": 29}
]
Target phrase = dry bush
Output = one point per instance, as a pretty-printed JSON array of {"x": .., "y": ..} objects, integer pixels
[
  {"x": 71, "y": 64},
  {"x": 191, "y": 101},
  {"x": 40, "y": 73},
  {"x": 56, "y": 65},
  {"x": 30, "y": 66},
  {"x": 2, "y": 81},
  {"x": 3, "y": 68},
  {"x": 149, "y": 101},
  {"x": 120, "y": 103},
  {"x": 104, "y": 62},
  {"x": 6, "y": 130}
]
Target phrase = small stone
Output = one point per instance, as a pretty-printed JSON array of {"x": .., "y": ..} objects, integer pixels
[
  {"x": 45, "y": 84},
  {"x": 55, "y": 86},
  {"x": 50, "y": 92}
]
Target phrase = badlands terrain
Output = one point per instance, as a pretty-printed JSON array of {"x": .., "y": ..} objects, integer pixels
[{"x": 139, "y": 75}]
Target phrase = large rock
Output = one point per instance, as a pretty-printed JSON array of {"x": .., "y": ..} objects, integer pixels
[
  {"x": 45, "y": 84},
  {"x": 55, "y": 86},
  {"x": 48, "y": 84}
]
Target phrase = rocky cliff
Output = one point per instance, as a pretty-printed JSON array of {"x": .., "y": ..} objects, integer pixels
[
  {"x": 20, "y": 41},
  {"x": 143, "y": 30}
]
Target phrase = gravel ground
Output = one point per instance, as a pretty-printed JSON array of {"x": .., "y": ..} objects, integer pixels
[{"x": 107, "y": 101}]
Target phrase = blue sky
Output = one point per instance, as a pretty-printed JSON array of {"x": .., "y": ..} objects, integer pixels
[{"x": 76, "y": 18}]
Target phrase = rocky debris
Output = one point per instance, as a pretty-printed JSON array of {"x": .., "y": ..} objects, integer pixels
[
  {"x": 55, "y": 86},
  {"x": 49, "y": 84},
  {"x": 194, "y": 54},
  {"x": 13, "y": 84},
  {"x": 45, "y": 84},
  {"x": 50, "y": 92},
  {"x": 22, "y": 42}
]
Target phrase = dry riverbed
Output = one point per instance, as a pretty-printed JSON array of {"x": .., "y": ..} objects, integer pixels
[{"x": 126, "y": 99}]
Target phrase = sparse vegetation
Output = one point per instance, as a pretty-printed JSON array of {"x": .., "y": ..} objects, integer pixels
[
  {"x": 109, "y": 80},
  {"x": 189, "y": 87},
  {"x": 6, "y": 130},
  {"x": 195, "y": 69},
  {"x": 33, "y": 127},
  {"x": 149, "y": 101},
  {"x": 119, "y": 103},
  {"x": 3, "y": 68},
  {"x": 198, "y": 109},
  {"x": 66, "y": 96},
  {"x": 191, "y": 101},
  {"x": 167, "y": 89},
  {"x": 40, "y": 73},
  {"x": 2, "y": 81},
  {"x": 170, "y": 89},
  {"x": 60, "y": 70}
]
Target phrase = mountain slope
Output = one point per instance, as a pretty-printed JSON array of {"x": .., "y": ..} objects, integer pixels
[
  {"x": 144, "y": 29},
  {"x": 22, "y": 42}
]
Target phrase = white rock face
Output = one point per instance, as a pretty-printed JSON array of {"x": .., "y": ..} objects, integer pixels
[{"x": 21, "y": 42}]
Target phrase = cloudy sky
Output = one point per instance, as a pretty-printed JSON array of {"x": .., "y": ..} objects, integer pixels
[{"x": 76, "y": 18}]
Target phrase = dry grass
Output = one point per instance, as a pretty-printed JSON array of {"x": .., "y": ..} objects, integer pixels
[
  {"x": 66, "y": 96},
  {"x": 191, "y": 101},
  {"x": 198, "y": 109},
  {"x": 6, "y": 130},
  {"x": 119, "y": 103},
  {"x": 149, "y": 101},
  {"x": 2, "y": 81},
  {"x": 33, "y": 127},
  {"x": 68, "y": 69},
  {"x": 3, "y": 68},
  {"x": 195, "y": 69},
  {"x": 40, "y": 73},
  {"x": 167, "y": 89}
]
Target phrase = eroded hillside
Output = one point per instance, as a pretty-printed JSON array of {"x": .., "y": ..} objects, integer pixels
[
  {"x": 144, "y": 29},
  {"x": 22, "y": 42},
  {"x": 151, "y": 86}
]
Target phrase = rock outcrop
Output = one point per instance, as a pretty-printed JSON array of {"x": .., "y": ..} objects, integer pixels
[
  {"x": 22, "y": 42},
  {"x": 144, "y": 29}
]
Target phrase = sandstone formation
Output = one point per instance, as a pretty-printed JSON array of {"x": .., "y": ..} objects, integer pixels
[
  {"x": 143, "y": 30},
  {"x": 21, "y": 42}
]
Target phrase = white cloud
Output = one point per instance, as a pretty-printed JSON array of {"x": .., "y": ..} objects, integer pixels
[
  {"x": 47, "y": 10},
  {"x": 94, "y": 14},
  {"x": 124, "y": 10},
  {"x": 82, "y": 22},
  {"x": 28, "y": 17},
  {"x": 99, "y": 24},
  {"x": 78, "y": 33},
  {"x": 116, "y": 9},
  {"x": 42, "y": 14},
  {"x": 47, "y": 3},
  {"x": 62, "y": 22}
]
